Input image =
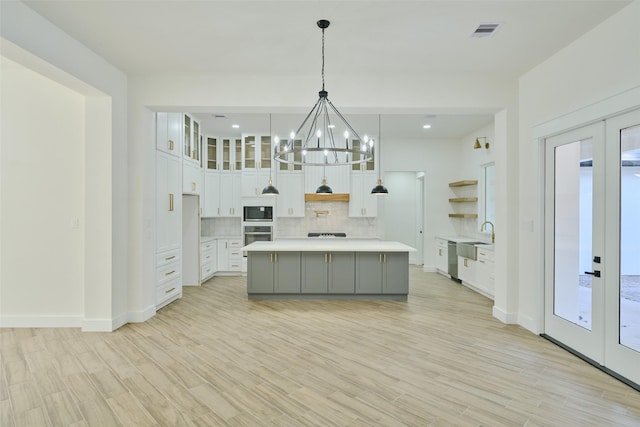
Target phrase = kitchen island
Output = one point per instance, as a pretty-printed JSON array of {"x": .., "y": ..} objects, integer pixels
[{"x": 328, "y": 268}]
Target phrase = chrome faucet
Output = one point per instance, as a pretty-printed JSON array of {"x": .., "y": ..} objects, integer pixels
[{"x": 493, "y": 234}]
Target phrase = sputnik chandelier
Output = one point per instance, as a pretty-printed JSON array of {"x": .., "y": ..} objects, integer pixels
[{"x": 319, "y": 146}]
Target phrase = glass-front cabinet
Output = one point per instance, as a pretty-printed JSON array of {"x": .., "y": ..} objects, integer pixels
[
  {"x": 360, "y": 147},
  {"x": 285, "y": 143},
  {"x": 256, "y": 152},
  {"x": 191, "y": 139},
  {"x": 212, "y": 153}
]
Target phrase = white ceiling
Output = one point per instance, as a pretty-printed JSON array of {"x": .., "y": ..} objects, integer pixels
[{"x": 383, "y": 38}]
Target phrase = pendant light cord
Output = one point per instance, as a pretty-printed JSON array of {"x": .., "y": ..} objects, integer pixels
[{"x": 323, "y": 59}]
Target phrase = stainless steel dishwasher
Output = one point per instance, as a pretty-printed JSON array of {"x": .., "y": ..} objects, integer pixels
[{"x": 452, "y": 251}]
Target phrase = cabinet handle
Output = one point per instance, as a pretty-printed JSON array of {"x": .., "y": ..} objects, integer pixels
[
  {"x": 170, "y": 290},
  {"x": 380, "y": 258},
  {"x": 218, "y": 211},
  {"x": 465, "y": 262},
  {"x": 226, "y": 245},
  {"x": 271, "y": 258},
  {"x": 439, "y": 252},
  {"x": 171, "y": 257},
  {"x": 325, "y": 258},
  {"x": 171, "y": 272},
  {"x": 170, "y": 202},
  {"x": 193, "y": 186},
  {"x": 276, "y": 257},
  {"x": 170, "y": 145},
  {"x": 385, "y": 258},
  {"x": 329, "y": 258},
  {"x": 481, "y": 261}
]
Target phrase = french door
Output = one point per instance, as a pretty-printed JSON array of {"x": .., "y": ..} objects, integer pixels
[{"x": 592, "y": 242}]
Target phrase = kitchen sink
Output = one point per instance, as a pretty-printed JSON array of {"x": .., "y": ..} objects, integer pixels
[{"x": 467, "y": 249}]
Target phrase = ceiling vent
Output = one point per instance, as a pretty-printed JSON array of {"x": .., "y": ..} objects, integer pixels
[{"x": 485, "y": 30}]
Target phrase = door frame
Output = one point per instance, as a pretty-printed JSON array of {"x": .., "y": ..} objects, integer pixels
[{"x": 608, "y": 108}]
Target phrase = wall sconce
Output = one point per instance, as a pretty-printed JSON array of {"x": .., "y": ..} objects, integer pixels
[{"x": 478, "y": 145}]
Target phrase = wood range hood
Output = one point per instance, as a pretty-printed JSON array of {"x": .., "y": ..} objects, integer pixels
[{"x": 323, "y": 197}]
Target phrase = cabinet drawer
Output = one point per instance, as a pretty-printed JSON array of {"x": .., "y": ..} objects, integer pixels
[
  {"x": 235, "y": 265},
  {"x": 442, "y": 244},
  {"x": 235, "y": 254},
  {"x": 207, "y": 271},
  {"x": 207, "y": 257},
  {"x": 235, "y": 243},
  {"x": 168, "y": 257},
  {"x": 208, "y": 246},
  {"x": 168, "y": 292},
  {"x": 168, "y": 272},
  {"x": 485, "y": 255}
]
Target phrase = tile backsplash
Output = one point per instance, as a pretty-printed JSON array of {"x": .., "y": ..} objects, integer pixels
[{"x": 336, "y": 219}]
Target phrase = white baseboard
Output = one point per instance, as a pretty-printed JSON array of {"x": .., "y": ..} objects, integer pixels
[
  {"x": 97, "y": 325},
  {"x": 529, "y": 324},
  {"x": 141, "y": 316},
  {"x": 504, "y": 317},
  {"x": 40, "y": 321}
]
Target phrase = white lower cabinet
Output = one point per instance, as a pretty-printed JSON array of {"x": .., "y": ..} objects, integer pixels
[
  {"x": 442, "y": 256},
  {"x": 229, "y": 255},
  {"x": 467, "y": 270},
  {"x": 168, "y": 277},
  {"x": 485, "y": 274},
  {"x": 478, "y": 274},
  {"x": 208, "y": 259}
]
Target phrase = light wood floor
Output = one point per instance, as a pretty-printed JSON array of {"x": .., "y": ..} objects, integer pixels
[{"x": 215, "y": 358}]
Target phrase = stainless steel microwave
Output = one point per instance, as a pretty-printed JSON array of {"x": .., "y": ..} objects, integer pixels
[{"x": 257, "y": 213}]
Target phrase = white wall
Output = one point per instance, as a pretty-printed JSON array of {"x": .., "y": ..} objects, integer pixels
[
  {"x": 602, "y": 63},
  {"x": 400, "y": 209},
  {"x": 34, "y": 42},
  {"x": 42, "y": 196}
]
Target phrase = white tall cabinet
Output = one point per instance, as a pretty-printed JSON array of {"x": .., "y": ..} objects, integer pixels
[{"x": 168, "y": 228}]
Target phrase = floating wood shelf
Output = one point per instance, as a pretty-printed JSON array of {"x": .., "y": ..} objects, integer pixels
[
  {"x": 463, "y": 183},
  {"x": 463, "y": 199},
  {"x": 461, "y": 215},
  {"x": 337, "y": 197}
]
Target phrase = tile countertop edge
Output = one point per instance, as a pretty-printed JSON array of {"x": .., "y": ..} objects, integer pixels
[{"x": 328, "y": 245}]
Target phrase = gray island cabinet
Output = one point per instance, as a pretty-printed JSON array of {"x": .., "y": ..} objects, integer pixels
[{"x": 317, "y": 268}]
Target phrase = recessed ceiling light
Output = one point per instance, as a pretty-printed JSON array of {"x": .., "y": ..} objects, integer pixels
[
  {"x": 426, "y": 127},
  {"x": 331, "y": 126},
  {"x": 235, "y": 126}
]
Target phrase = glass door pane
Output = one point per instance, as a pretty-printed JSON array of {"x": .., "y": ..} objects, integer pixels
[
  {"x": 629, "y": 283},
  {"x": 250, "y": 152},
  {"x": 573, "y": 224},
  {"x": 265, "y": 152}
]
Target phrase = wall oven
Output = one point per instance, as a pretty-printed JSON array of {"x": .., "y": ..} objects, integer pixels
[
  {"x": 257, "y": 214},
  {"x": 257, "y": 233}
]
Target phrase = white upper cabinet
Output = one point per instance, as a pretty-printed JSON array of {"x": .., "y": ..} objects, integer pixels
[
  {"x": 191, "y": 139},
  {"x": 210, "y": 153},
  {"x": 169, "y": 132},
  {"x": 290, "y": 201},
  {"x": 367, "y": 166},
  {"x": 256, "y": 164},
  {"x": 361, "y": 202},
  {"x": 230, "y": 154},
  {"x": 286, "y": 167}
]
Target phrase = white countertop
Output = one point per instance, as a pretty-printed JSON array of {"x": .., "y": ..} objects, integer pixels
[
  {"x": 459, "y": 239},
  {"x": 328, "y": 245}
]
